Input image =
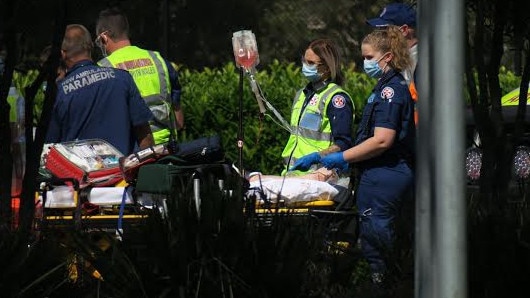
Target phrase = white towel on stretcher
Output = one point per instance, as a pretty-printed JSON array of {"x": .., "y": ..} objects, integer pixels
[{"x": 63, "y": 196}]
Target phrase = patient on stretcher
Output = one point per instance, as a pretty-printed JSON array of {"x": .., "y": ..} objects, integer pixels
[
  {"x": 321, "y": 174},
  {"x": 319, "y": 185}
]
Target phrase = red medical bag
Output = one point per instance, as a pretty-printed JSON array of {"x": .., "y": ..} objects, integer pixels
[{"x": 92, "y": 162}]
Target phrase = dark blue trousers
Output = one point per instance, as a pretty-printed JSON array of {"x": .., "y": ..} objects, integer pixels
[{"x": 381, "y": 192}]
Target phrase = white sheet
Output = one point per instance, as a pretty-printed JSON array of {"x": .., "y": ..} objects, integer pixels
[{"x": 293, "y": 190}]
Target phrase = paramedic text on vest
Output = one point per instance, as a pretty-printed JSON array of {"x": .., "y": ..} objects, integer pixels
[{"x": 155, "y": 77}]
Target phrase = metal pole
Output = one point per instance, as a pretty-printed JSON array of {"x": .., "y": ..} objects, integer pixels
[
  {"x": 441, "y": 219},
  {"x": 240, "y": 126},
  {"x": 424, "y": 175}
]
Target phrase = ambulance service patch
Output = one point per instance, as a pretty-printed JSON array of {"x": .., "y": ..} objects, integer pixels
[
  {"x": 313, "y": 100},
  {"x": 387, "y": 93},
  {"x": 338, "y": 101}
]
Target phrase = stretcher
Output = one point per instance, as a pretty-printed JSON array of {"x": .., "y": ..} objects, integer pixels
[
  {"x": 99, "y": 207},
  {"x": 73, "y": 199},
  {"x": 83, "y": 186},
  {"x": 268, "y": 195},
  {"x": 61, "y": 203},
  {"x": 321, "y": 205}
]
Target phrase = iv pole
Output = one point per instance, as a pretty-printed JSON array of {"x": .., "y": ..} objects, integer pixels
[
  {"x": 246, "y": 55},
  {"x": 240, "y": 125}
]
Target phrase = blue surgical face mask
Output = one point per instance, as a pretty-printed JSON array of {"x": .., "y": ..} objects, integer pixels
[
  {"x": 371, "y": 67},
  {"x": 311, "y": 72}
]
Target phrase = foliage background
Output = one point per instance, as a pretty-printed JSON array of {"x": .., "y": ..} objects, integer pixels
[
  {"x": 198, "y": 40},
  {"x": 211, "y": 102},
  {"x": 214, "y": 108}
]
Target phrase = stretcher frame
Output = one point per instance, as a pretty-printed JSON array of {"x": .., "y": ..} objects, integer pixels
[{"x": 73, "y": 217}]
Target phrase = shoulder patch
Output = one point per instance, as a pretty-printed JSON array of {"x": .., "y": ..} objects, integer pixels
[
  {"x": 338, "y": 101},
  {"x": 313, "y": 100},
  {"x": 387, "y": 93}
]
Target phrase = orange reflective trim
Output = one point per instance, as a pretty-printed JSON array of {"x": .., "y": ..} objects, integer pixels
[
  {"x": 413, "y": 91},
  {"x": 414, "y": 94}
]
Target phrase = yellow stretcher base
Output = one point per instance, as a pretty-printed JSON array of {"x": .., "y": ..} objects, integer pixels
[{"x": 299, "y": 207}]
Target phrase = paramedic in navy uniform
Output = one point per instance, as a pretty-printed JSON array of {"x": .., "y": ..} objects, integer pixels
[
  {"x": 383, "y": 150},
  {"x": 97, "y": 102}
]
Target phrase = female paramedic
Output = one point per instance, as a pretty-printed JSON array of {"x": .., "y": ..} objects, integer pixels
[
  {"x": 322, "y": 113},
  {"x": 384, "y": 149}
]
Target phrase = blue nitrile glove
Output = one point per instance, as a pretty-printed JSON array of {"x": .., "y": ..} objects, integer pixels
[
  {"x": 306, "y": 161},
  {"x": 335, "y": 160}
]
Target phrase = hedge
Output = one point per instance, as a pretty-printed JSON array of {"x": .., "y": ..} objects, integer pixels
[{"x": 211, "y": 98}]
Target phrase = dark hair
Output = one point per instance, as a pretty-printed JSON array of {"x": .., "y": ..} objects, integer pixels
[
  {"x": 114, "y": 22},
  {"x": 326, "y": 50},
  {"x": 76, "y": 40}
]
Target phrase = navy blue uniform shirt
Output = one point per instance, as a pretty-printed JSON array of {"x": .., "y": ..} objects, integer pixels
[
  {"x": 390, "y": 106},
  {"x": 98, "y": 102},
  {"x": 176, "y": 89},
  {"x": 339, "y": 113}
]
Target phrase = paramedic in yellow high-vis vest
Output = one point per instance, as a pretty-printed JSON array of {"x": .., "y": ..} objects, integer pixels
[
  {"x": 323, "y": 112},
  {"x": 156, "y": 79}
]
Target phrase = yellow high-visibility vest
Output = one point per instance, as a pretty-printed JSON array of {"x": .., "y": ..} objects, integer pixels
[{"x": 151, "y": 76}]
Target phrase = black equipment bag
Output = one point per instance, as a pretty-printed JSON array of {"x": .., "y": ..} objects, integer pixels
[
  {"x": 202, "y": 154},
  {"x": 204, "y": 150}
]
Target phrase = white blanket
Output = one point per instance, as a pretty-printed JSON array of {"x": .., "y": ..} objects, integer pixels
[{"x": 293, "y": 190}]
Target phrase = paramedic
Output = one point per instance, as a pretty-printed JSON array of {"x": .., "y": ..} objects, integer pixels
[
  {"x": 404, "y": 16},
  {"x": 154, "y": 76},
  {"x": 384, "y": 149},
  {"x": 97, "y": 102},
  {"x": 323, "y": 112}
]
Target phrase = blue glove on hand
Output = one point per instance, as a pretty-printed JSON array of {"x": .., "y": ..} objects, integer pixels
[
  {"x": 335, "y": 161},
  {"x": 306, "y": 161}
]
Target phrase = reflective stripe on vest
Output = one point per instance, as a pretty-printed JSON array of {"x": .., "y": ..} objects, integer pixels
[
  {"x": 311, "y": 134},
  {"x": 303, "y": 140},
  {"x": 159, "y": 101}
]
